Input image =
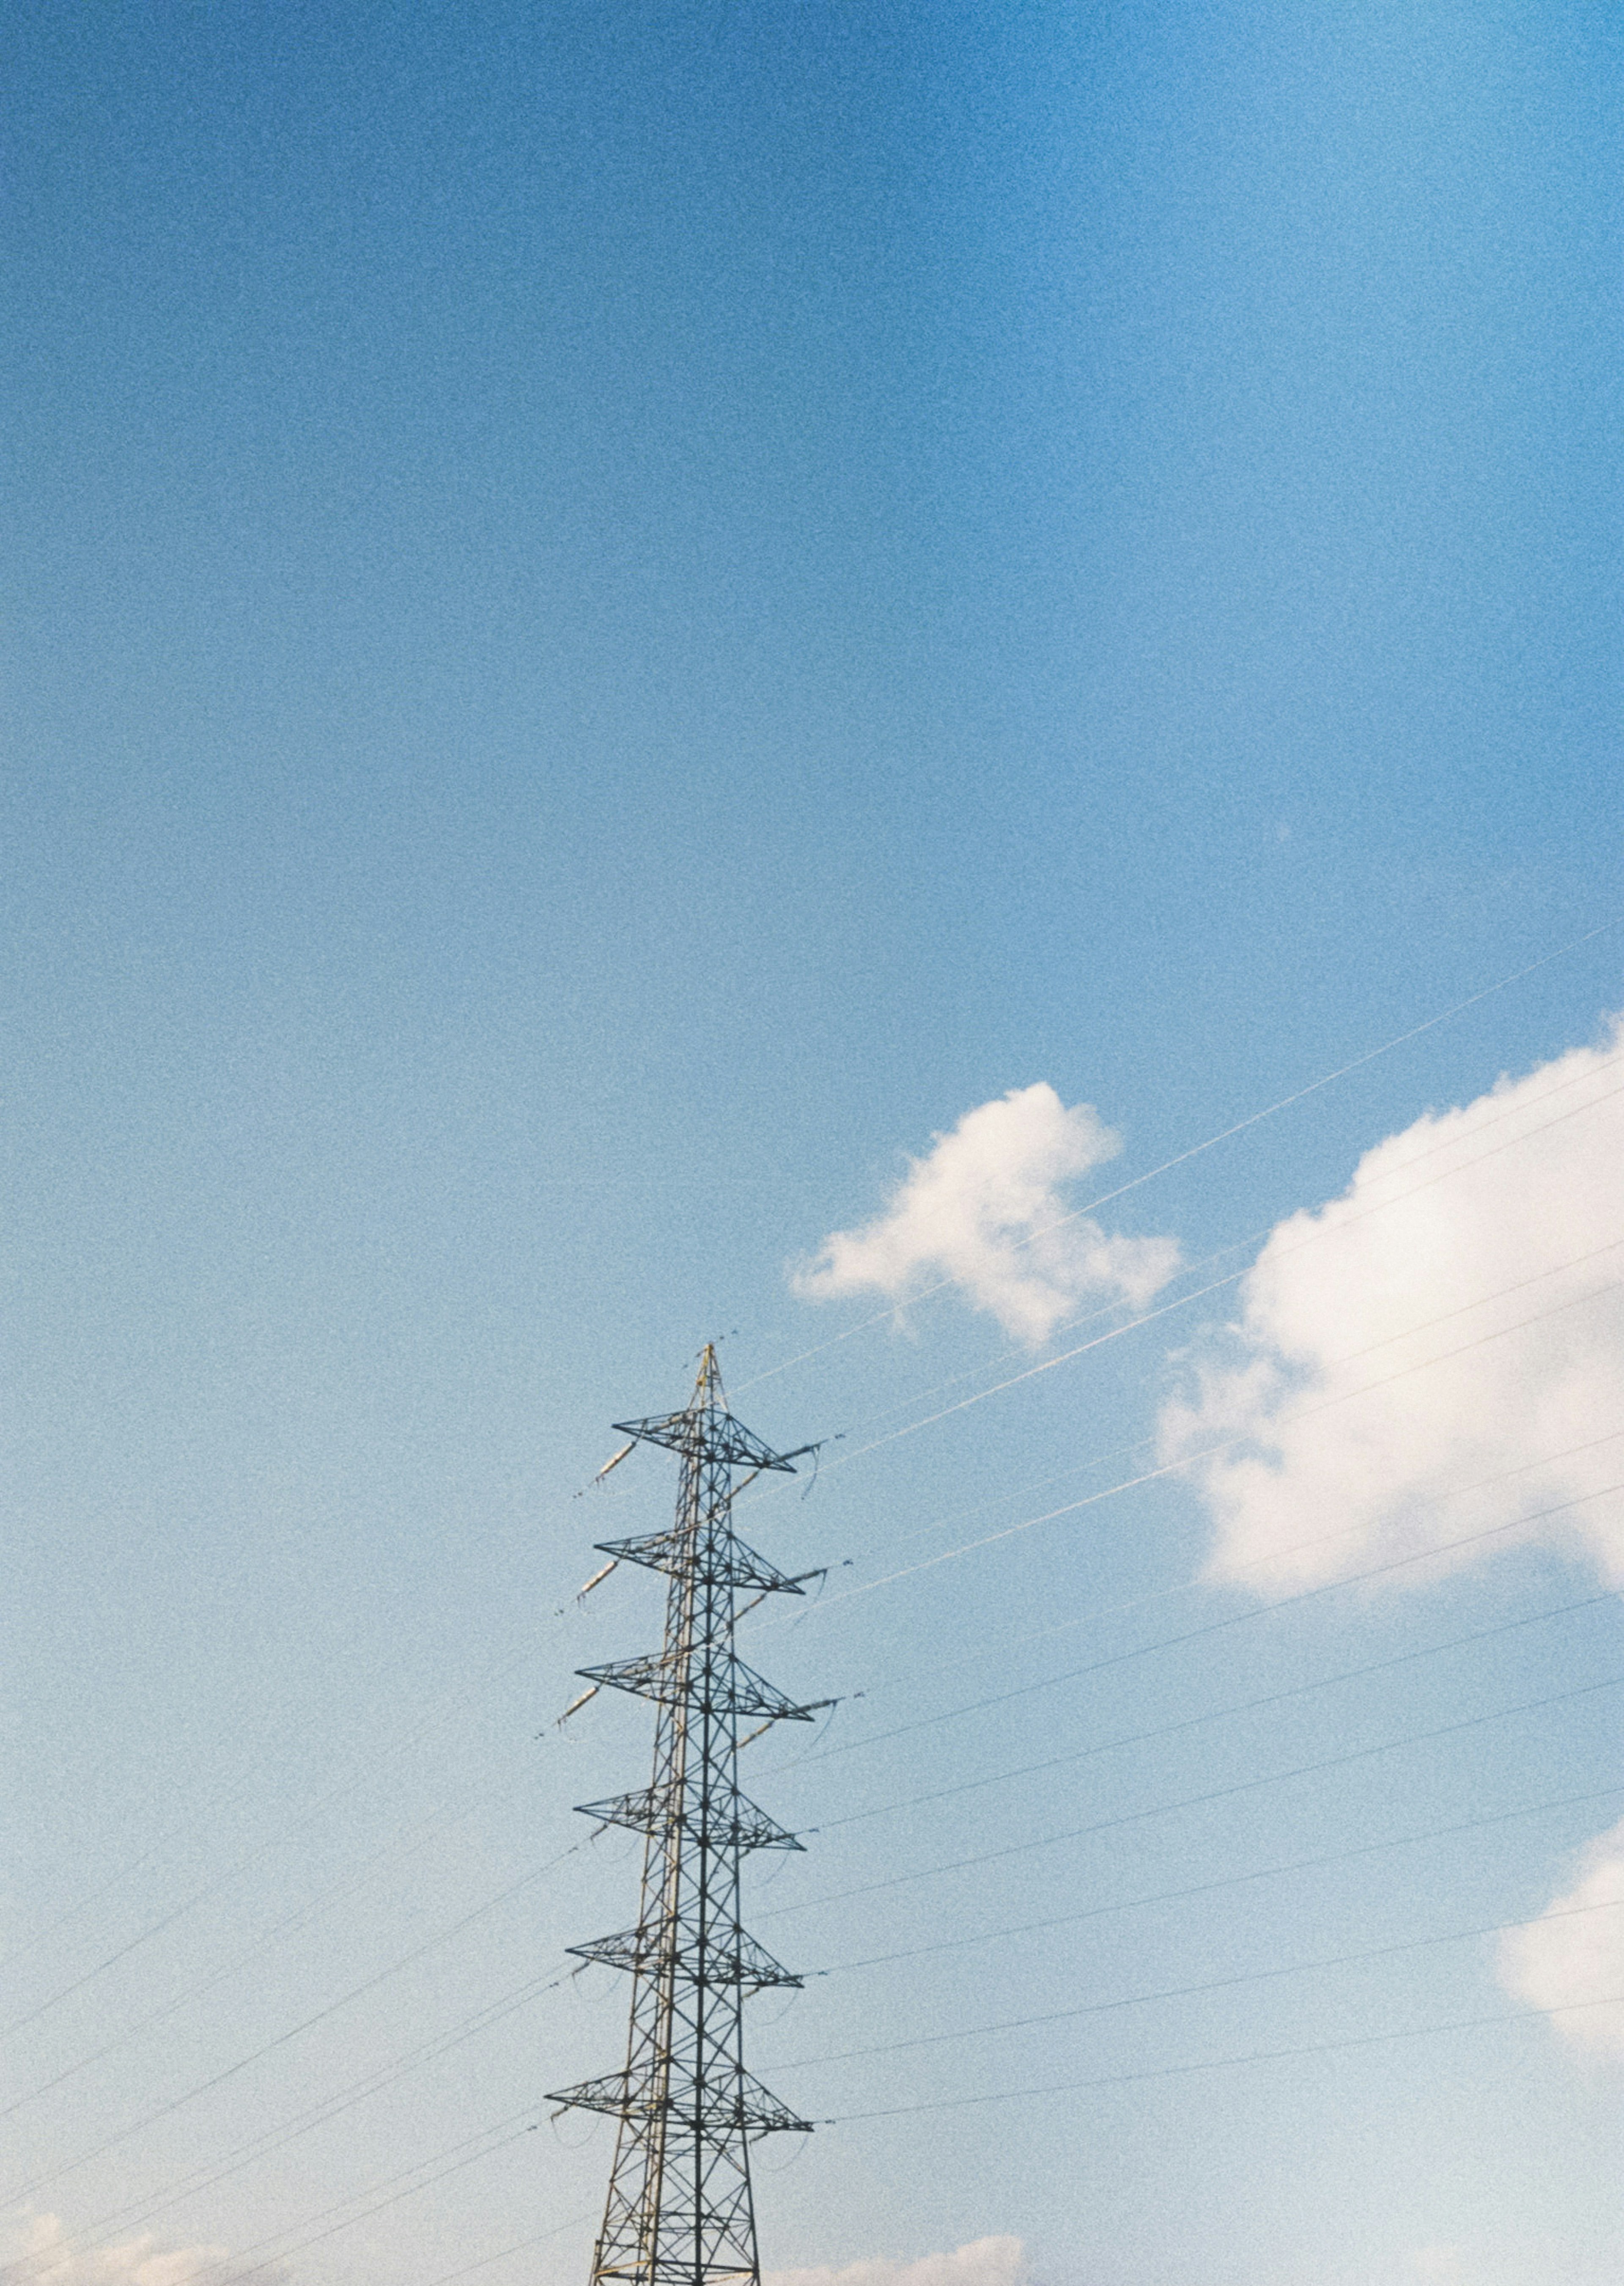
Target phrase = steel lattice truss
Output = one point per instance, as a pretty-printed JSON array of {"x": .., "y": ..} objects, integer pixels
[{"x": 680, "y": 2211}]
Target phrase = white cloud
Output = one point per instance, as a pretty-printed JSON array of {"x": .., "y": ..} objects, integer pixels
[
  {"x": 1572, "y": 1956},
  {"x": 41, "y": 2254},
  {"x": 979, "y": 1211},
  {"x": 983, "y": 2262},
  {"x": 1463, "y": 1226}
]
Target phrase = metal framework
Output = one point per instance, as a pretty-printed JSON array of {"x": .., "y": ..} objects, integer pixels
[{"x": 681, "y": 2212}]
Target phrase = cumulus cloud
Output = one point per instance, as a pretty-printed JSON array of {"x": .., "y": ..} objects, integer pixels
[
  {"x": 41, "y": 2254},
  {"x": 1453, "y": 1321},
  {"x": 983, "y": 2262},
  {"x": 1573, "y": 1955},
  {"x": 984, "y": 1211}
]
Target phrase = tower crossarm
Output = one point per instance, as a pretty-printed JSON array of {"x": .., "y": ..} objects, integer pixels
[
  {"x": 727, "y": 1562},
  {"x": 710, "y": 1435},
  {"x": 729, "y": 1687},
  {"x": 748, "y": 2108},
  {"x": 735, "y": 1959},
  {"x": 734, "y": 1824}
]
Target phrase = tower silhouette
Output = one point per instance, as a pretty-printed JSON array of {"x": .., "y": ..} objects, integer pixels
[{"x": 681, "y": 2210}]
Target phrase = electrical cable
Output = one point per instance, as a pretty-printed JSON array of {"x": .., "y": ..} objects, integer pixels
[
  {"x": 1445, "y": 1143},
  {"x": 1230, "y": 1619},
  {"x": 1232, "y": 1278},
  {"x": 1215, "y": 1714},
  {"x": 282, "y": 2040},
  {"x": 230, "y": 2163},
  {"x": 1194, "y": 1991},
  {"x": 143, "y": 2210},
  {"x": 336, "y": 1892},
  {"x": 1227, "y": 1444},
  {"x": 1225, "y": 2064},
  {"x": 1201, "y": 1801},
  {"x": 1211, "y": 1141},
  {"x": 866, "y": 1587},
  {"x": 212, "y": 1799},
  {"x": 213, "y": 1888},
  {"x": 533, "y": 1652},
  {"x": 229, "y": 2271},
  {"x": 1225, "y": 1881},
  {"x": 522, "y": 2246}
]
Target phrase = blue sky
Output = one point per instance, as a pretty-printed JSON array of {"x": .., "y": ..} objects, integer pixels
[{"x": 614, "y": 618}]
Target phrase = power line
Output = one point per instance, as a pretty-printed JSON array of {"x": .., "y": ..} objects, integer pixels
[
  {"x": 346, "y": 1885},
  {"x": 1232, "y": 1278},
  {"x": 319, "y": 2115},
  {"x": 142, "y": 2211},
  {"x": 262, "y": 1849},
  {"x": 1444, "y": 1143},
  {"x": 1236, "y": 1619},
  {"x": 1200, "y": 1801},
  {"x": 200, "y": 1896},
  {"x": 232, "y": 2270},
  {"x": 1226, "y": 2063},
  {"x": 531, "y": 1654},
  {"x": 1227, "y": 1444},
  {"x": 1228, "y": 1881},
  {"x": 377, "y": 1760},
  {"x": 867, "y": 1587},
  {"x": 1223, "y": 1136},
  {"x": 295, "y": 2032},
  {"x": 1215, "y": 1714},
  {"x": 1213, "y": 1984},
  {"x": 506, "y": 2004},
  {"x": 521, "y": 2246}
]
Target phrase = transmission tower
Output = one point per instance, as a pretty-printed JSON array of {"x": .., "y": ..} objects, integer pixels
[{"x": 679, "y": 2211}]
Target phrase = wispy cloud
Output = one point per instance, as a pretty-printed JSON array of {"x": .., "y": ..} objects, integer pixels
[
  {"x": 1453, "y": 1321},
  {"x": 39, "y": 2253},
  {"x": 983, "y": 2262},
  {"x": 1572, "y": 1956},
  {"x": 985, "y": 1210}
]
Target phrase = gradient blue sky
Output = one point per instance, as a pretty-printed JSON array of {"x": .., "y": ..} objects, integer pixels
[{"x": 614, "y": 615}]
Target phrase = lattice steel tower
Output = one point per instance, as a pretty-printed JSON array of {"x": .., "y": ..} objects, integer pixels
[{"x": 680, "y": 2210}]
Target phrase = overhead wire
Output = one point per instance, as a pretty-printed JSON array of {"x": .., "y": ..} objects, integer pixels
[
  {"x": 1200, "y": 1991},
  {"x": 1226, "y": 2063},
  {"x": 1203, "y": 1800},
  {"x": 233, "y": 2162},
  {"x": 1089, "y": 1316},
  {"x": 1391, "y": 1744},
  {"x": 1195, "y": 1150},
  {"x": 1325, "y": 1230},
  {"x": 293, "y": 2032},
  {"x": 1253, "y": 1612},
  {"x": 1214, "y": 1715},
  {"x": 521, "y": 2246},
  {"x": 838, "y": 1599},
  {"x": 344, "y": 1886},
  {"x": 1225, "y": 1881},
  {"x": 143, "y": 2210},
  {"x": 232, "y": 2272},
  {"x": 1227, "y": 1444},
  {"x": 214, "y": 1888}
]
